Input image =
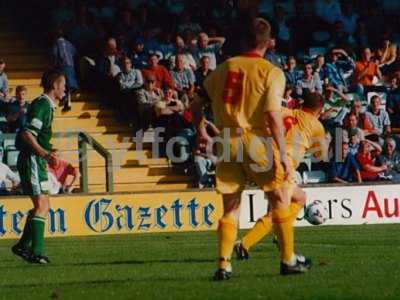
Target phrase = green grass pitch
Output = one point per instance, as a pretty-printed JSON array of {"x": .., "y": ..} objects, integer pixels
[{"x": 350, "y": 262}]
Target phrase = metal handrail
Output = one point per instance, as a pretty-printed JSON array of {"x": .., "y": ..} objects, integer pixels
[{"x": 84, "y": 139}]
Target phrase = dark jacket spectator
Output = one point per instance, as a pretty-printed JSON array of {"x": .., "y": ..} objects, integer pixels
[{"x": 17, "y": 110}]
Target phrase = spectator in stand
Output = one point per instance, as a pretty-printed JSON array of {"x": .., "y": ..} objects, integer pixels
[
  {"x": 391, "y": 159},
  {"x": 393, "y": 102},
  {"x": 202, "y": 72},
  {"x": 204, "y": 158},
  {"x": 273, "y": 57},
  {"x": 378, "y": 117},
  {"x": 354, "y": 142},
  {"x": 163, "y": 78},
  {"x": 292, "y": 75},
  {"x": 310, "y": 82},
  {"x": 208, "y": 47},
  {"x": 7, "y": 179},
  {"x": 17, "y": 109},
  {"x": 353, "y": 129},
  {"x": 3, "y": 82},
  {"x": 365, "y": 71},
  {"x": 138, "y": 55},
  {"x": 180, "y": 49},
  {"x": 108, "y": 64},
  {"x": 346, "y": 170},
  {"x": 129, "y": 78},
  {"x": 146, "y": 99},
  {"x": 362, "y": 119},
  {"x": 320, "y": 68},
  {"x": 184, "y": 80},
  {"x": 335, "y": 103},
  {"x": 366, "y": 158},
  {"x": 63, "y": 59},
  {"x": 168, "y": 115},
  {"x": 64, "y": 173},
  {"x": 386, "y": 56},
  {"x": 288, "y": 100},
  {"x": 334, "y": 70}
]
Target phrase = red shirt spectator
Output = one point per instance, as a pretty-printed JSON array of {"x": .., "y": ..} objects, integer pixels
[
  {"x": 61, "y": 169},
  {"x": 366, "y": 69},
  {"x": 366, "y": 159},
  {"x": 163, "y": 78},
  {"x": 363, "y": 121}
]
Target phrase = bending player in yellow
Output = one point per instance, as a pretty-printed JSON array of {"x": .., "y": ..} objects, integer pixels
[
  {"x": 246, "y": 92},
  {"x": 304, "y": 133}
]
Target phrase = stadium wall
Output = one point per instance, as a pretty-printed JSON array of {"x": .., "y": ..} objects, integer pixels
[
  {"x": 191, "y": 210},
  {"x": 346, "y": 205}
]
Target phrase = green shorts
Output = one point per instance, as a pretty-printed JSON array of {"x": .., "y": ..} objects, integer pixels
[{"x": 33, "y": 173}]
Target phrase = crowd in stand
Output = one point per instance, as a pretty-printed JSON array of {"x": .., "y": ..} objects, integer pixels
[{"x": 149, "y": 58}]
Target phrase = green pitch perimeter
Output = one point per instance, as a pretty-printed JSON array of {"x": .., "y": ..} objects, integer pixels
[{"x": 354, "y": 262}]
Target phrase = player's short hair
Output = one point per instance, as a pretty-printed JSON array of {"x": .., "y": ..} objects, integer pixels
[
  {"x": 258, "y": 31},
  {"x": 49, "y": 78},
  {"x": 21, "y": 88},
  {"x": 313, "y": 101}
]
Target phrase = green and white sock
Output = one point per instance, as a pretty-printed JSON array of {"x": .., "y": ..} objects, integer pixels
[{"x": 38, "y": 224}]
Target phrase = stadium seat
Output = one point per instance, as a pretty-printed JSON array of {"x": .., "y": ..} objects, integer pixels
[{"x": 314, "y": 177}]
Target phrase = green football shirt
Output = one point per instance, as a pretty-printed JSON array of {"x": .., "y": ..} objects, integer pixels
[{"x": 39, "y": 120}]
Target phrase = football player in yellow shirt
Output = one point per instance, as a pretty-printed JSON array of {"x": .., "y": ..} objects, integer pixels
[
  {"x": 304, "y": 132},
  {"x": 245, "y": 93}
]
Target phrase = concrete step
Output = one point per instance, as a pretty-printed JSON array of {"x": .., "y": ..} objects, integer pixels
[
  {"x": 129, "y": 176},
  {"x": 137, "y": 187},
  {"x": 121, "y": 158}
]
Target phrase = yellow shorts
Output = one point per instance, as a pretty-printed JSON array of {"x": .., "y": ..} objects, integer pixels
[{"x": 252, "y": 158}]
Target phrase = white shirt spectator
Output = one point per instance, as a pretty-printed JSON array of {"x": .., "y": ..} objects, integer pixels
[
  {"x": 115, "y": 69},
  {"x": 188, "y": 61},
  {"x": 7, "y": 177}
]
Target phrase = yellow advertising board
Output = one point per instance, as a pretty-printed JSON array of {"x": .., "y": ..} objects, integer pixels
[{"x": 117, "y": 213}]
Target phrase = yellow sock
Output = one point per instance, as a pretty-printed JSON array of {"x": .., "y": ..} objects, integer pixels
[
  {"x": 283, "y": 224},
  {"x": 262, "y": 227},
  {"x": 295, "y": 209},
  {"x": 227, "y": 232}
]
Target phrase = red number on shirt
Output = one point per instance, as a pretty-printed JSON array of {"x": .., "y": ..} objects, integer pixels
[
  {"x": 233, "y": 87},
  {"x": 289, "y": 122}
]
